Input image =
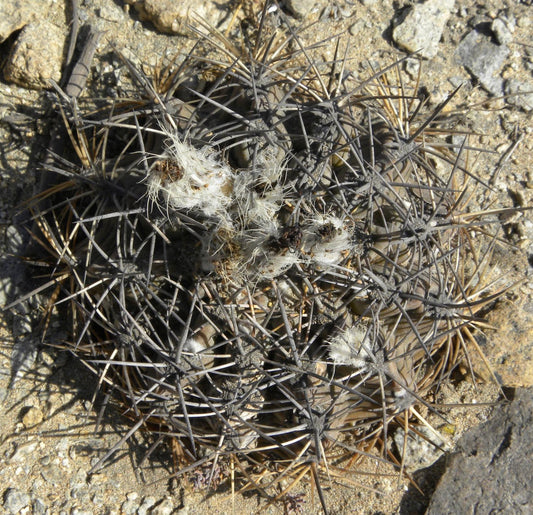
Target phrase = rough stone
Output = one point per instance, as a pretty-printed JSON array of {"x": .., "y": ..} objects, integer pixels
[
  {"x": 490, "y": 471},
  {"x": 422, "y": 28},
  {"x": 129, "y": 507},
  {"x": 37, "y": 56},
  {"x": 146, "y": 505},
  {"x": 24, "y": 451},
  {"x": 420, "y": 451},
  {"x": 165, "y": 507},
  {"x": 520, "y": 94},
  {"x": 15, "y": 500},
  {"x": 15, "y": 14},
  {"x": 38, "y": 507},
  {"x": 111, "y": 12},
  {"x": 509, "y": 350},
  {"x": 173, "y": 17},
  {"x": 32, "y": 417},
  {"x": 502, "y": 29},
  {"x": 483, "y": 59},
  {"x": 299, "y": 8}
]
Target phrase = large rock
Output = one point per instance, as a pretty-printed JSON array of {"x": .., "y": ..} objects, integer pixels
[
  {"x": 173, "y": 16},
  {"x": 15, "y": 14},
  {"x": 491, "y": 469},
  {"x": 509, "y": 350},
  {"x": 37, "y": 56}
]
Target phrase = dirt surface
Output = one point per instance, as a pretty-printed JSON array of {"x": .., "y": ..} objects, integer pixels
[{"x": 47, "y": 439}]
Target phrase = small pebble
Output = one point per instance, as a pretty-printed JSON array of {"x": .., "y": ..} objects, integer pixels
[
  {"x": 145, "y": 506},
  {"x": 520, "y": 94},
  {"x": 15, "y": 500},
  {"x": 129, "y": 507},
  {"x": 33, "y": 417},
  {"x": 502, "y": 31},
  {"x": 419, "y": 452},
  {"x": 299, "y": 8},
  {"x": 38, "y": 507},
  {"x": 165, "y": 507}
]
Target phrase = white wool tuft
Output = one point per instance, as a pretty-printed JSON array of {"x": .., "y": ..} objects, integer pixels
[
  {"x": 351, "y": 347},
  {"x": 205, "y": 183},
  {"x": 327, "y": 241}
]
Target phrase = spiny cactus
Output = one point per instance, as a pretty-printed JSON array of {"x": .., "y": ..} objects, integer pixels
[{"x": 262, "y": 264}]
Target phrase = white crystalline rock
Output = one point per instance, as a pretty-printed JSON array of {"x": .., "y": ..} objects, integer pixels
[
  {"x": 327, "y": 241},
  {"x": 201, "y": 182},
  {"x": 351, "y": 347}
]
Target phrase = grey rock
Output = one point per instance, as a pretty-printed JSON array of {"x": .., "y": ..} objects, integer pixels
[
  {"x": 483, "y": 59},
  {"x": 422, "y": 28},
  {"x": 490, "y": 471},
  {"x": 145, "y": 506},
  {"x": 420, "y": 451},
  {"x": 357, "y": 27},
  {"x": 299, "y": 8},
  {"x": 111, "y": 12},
  {"x": 519, "y": 94},
  {"x": 412, "y": 67},
  {"x": 129, "y": 507},
  {"x": 36, "y": 56},
  {"x": 38, "y": 507},
  {"x": 503, "y": 29},
  {"x": 52, "y": 473},
  {"x": 165, "y": 507},
  {"x": 15, "y": 500}
]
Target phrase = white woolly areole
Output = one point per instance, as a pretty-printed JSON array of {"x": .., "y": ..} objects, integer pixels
[
  {"x": 204, "y": 183},
  {"x": 255, "y": 208},
  {"x": 274, "y": 265},
  {"x": 327, "y": 241},
  {"x": 268, "y": 263},
  {"x": 193, "y": 346},
  {"x": 351, "y": 347}
]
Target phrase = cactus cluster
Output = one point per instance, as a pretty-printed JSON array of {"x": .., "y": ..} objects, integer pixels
[{"x": 261, "y": 263}]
